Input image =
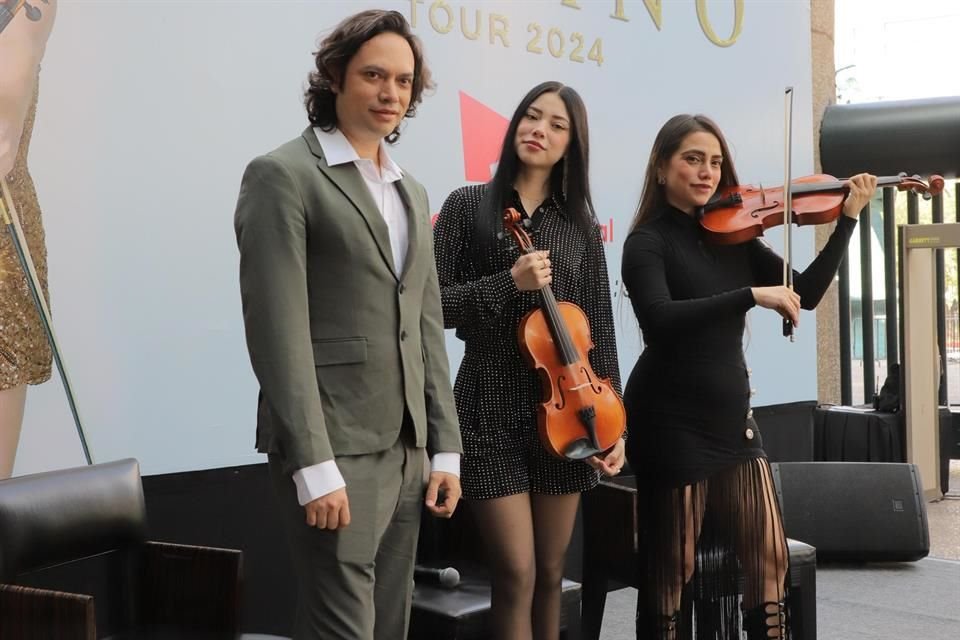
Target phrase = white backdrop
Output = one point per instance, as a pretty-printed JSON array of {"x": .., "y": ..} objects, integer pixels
[{"x": 149, "y": 111}]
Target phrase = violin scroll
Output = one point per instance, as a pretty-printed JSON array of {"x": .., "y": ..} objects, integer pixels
[
  {"x": 927, "y": 189},
  {"x": 512, "y": 217},
  {"x": 517, "y": 224}
]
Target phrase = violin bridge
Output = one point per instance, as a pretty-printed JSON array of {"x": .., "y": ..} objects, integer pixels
[{"x": 763, "y": 195}]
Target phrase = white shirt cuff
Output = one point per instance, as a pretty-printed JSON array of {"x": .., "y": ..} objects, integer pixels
[
  {"x": 317, "y": 481},
  {"x": 446, "y": 462}
]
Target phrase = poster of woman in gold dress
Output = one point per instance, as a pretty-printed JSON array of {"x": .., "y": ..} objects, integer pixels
[{"x": 25, "y": 356}]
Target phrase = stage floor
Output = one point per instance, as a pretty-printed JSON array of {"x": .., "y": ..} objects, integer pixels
[{"x": 880, "y": 601}]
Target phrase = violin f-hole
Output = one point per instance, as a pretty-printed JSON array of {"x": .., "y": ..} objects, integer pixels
[
  {"x": 755, "y": 213},
  {"x": 563, "y": 399}
]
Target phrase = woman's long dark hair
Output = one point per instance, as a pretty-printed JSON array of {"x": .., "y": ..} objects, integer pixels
[
  {"x": 569, "y": 179},
  {"x": 653, "y": 198}
]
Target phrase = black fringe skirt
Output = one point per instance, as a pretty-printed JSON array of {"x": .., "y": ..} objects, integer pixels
[{"x": 706, "y": 551}]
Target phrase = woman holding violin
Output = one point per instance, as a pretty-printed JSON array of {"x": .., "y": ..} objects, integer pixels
[
  {"x": 706, "y": 501},
  {"x": 524, "y": 497}
]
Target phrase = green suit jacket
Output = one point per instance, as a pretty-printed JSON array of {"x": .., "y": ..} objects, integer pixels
[{"x": 339, "y": 341}]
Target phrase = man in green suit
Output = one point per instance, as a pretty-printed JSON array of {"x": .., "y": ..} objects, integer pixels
[{"x": 345, "y": 332}]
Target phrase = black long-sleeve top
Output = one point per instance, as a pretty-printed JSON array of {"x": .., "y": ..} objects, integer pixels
[
  {"x": 691, "y": 299},
  {"x": 494, "y": 386}
]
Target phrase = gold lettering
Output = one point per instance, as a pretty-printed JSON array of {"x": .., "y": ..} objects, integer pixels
[
  {"x": 555, "y": 51},
  {"x": 618, "y": 13},
  {"x": 534, "y": 45},
  {"x": 575, "y": 55},
  {"x": 596, "y": 52},
  {"x": 469, "y": 35},
  {"x": 413, "y": 12},
  {"x": 499, "y": 25},
  {"x": 707, "y": 28},
  {"x": 654, "y": 8},
  {"x": 436, "y": 6}
]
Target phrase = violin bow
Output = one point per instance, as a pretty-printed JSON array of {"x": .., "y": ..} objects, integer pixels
[
  {"x": 788, "y": 206},
  {"x": 8, "y": 214}
]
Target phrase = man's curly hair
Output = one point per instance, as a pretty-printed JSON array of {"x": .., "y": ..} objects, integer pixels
[{"x": 335, "y": 53}]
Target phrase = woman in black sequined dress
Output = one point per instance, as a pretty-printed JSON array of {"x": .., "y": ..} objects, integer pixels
[{"x": 524, "y": 499}]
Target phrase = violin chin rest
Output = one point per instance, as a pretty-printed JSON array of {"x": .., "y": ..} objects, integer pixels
[{"x": 581, "y": 449}]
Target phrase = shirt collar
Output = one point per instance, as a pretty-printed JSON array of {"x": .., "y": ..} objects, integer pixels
[
  {"x": 553, "y": 202},
  {"x": 338, "y": 150}
]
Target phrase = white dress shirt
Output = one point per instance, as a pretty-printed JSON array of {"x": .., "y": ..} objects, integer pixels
[{"x": 320, "y": 479}]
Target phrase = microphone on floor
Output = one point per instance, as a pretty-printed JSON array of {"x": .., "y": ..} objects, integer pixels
[{"x": 447, "y": 577}]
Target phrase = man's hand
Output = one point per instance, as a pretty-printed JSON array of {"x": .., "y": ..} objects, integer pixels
[
  {"x": 331, "y": 511},
  {"x": 447, "y": 485}
]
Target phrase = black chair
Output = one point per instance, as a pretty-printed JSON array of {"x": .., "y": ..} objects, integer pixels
[
  {"x": 75, "y": 564},
  {"x": 463, "y": 612},
  {"x": 609, "y": 559}
]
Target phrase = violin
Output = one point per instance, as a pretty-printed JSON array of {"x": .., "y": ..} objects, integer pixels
[
  {"x": 741, "y": 213},
  {"x": 580, "y": 414},
  {"x": 9, "y": 8}
]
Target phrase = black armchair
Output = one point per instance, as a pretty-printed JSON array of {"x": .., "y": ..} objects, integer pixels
[{"x": 75, "y": 564}]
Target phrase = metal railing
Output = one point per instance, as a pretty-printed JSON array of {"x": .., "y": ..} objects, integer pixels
[{"x": 861, "y": 325}]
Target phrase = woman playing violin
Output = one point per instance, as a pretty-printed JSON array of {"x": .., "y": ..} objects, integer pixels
[
  {"x": 525, "y": 498},
  {"x": 705, "y": 488}
]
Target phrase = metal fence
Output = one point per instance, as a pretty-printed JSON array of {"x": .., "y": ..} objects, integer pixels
[{"x": 870, "y": 329}]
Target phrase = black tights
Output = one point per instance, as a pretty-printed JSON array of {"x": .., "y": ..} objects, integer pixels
[{"x": 526, "y": 538}]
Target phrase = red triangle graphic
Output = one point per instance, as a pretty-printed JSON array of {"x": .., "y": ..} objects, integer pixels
[{"x": 483, "y": 130}]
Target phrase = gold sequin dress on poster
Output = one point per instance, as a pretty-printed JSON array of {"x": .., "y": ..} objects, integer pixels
[{"x": 24, "y": 351}]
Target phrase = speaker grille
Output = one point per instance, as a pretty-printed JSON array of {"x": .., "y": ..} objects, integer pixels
[{"x": 854, "y": 510}]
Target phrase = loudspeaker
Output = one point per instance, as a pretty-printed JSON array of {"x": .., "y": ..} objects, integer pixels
[
  {"x": 787, "y": 430},
  {"x": 854, "y": 510}
]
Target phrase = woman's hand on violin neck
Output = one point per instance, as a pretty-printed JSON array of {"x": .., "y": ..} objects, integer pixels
[
  {"x": 610, "y": 464},
  {"x": 862, "y": 187},
  {"x": 531, "y": 271},
  {"x": 783, "y": 300}
]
